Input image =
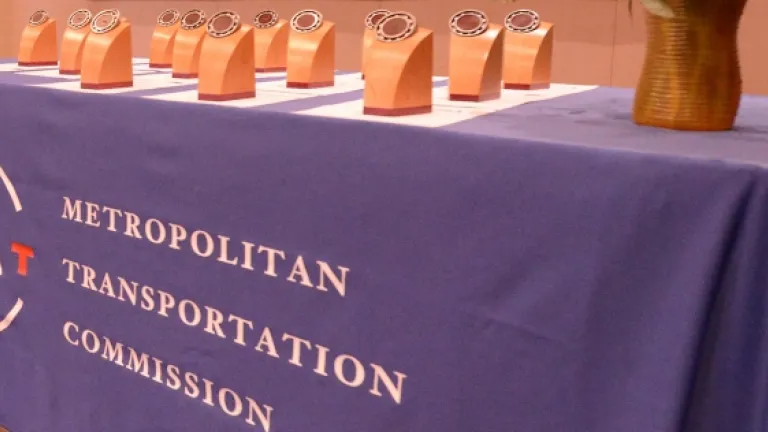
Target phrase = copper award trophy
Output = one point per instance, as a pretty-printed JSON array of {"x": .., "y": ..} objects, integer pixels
[
  {"x": 38, "y": 41},
  {"x": 311, "y": 51},
  {"x": 73, "y": 42},
  {"x": 226, "y": 61},
  {"x": 189, "y": 44},
  {"x": 163, "y": 39},
  {"x": 270, "y": 42},
  {"x": 107, "y": 56},
  {"x": 527, "y": 51},
  {"x": 369, "y": 35},
  {"x": 476, "y": 57},
  {"x": 398, "y": 74}
]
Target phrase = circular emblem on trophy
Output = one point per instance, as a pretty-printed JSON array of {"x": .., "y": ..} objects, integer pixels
[
  {"x": 79, "y": 19},
  {"x": 522, "y": 21},
  {"x": 105, "y": 21},
  {"x": 373, "y": 18},
  {"x": 223, "y": 24},
  {"x": 38, "y": 18},
  {"x": 265, "y": 19},
  {"x": 306, "y": 21},
  {"x": 168, "y": 18},
  {"x": 193, "y": 19},
  {"x": 469, "y": 23},
  {"x": 396, "y": 27}
]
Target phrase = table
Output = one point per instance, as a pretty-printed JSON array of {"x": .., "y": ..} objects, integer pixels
[{"x": 538, "y": 264}]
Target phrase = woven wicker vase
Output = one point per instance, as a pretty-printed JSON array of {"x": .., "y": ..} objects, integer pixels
[{"x": 691, "y": 78}]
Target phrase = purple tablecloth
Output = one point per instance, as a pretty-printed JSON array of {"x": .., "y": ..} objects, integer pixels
[{"x": 338, "y": 276}]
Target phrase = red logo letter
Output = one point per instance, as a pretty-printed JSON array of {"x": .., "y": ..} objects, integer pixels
[{"x": 24, "y": 253}]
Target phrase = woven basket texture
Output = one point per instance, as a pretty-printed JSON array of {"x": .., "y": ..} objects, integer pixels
[{"x": 691, "y": 79}]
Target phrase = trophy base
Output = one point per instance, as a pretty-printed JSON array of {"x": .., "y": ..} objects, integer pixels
[
  {"x": 537, "y": 86},
  {"x": 310, "y": 85},
  {"x": 226, "y": 97},
  {"x": 40, "y": 63},
  {"x": 272, "y": 69},
  {"x": 183, "y": 75},
  {"x": 69, "y": 72},
  {"x": 106, "y": 86},
  {"x": 160, "y": 66},
  {"x": 474, "y": 98},
  {"x": 397, "y": 112}
]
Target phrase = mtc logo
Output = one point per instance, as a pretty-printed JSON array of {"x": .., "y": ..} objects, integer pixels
[{"x": 23, "y": 254}]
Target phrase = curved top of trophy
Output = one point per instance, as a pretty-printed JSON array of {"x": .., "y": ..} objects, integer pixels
[
  {"x": 395, "y": 27},
  {"x": 105, "y": 21},
  {"x": 192, "y": 19},
  {"x": 168, "y": 18},
  {"x": 469, "y": 23},
  {"x": 79, "y": 19},
  {"x": 306, "y": 21},
  {"x": 374, "y": 17},
  {"x": 522, "y": 21},
  {"x": 265, "y": 19},
  {"x": 223, "y": 24},
  {"x": 39, "y": 17}
]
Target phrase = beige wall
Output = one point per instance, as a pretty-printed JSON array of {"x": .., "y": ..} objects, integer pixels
[
  {"x": 6, "y": 29},
  {"x": 597, "y": 42}
]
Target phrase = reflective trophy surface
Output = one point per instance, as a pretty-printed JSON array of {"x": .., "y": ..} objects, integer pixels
[
  {"x": 189, "y": 44},
  {"x": 528, "y": 45},
  {"x": 398, "y": 72},
  {"x": 369, "y": 35},
  {"x": 163, "y": 39},
  {"x": 73, "y": 42},
  {"x": 226, "y": 60},
  {"x": 38, "y": 46},
  {"x": 475, "y": 58},
  {"x": 311, "y": 51},
  {"x": 270, "y": 40},
  {"x": 108, "y": 55}
]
